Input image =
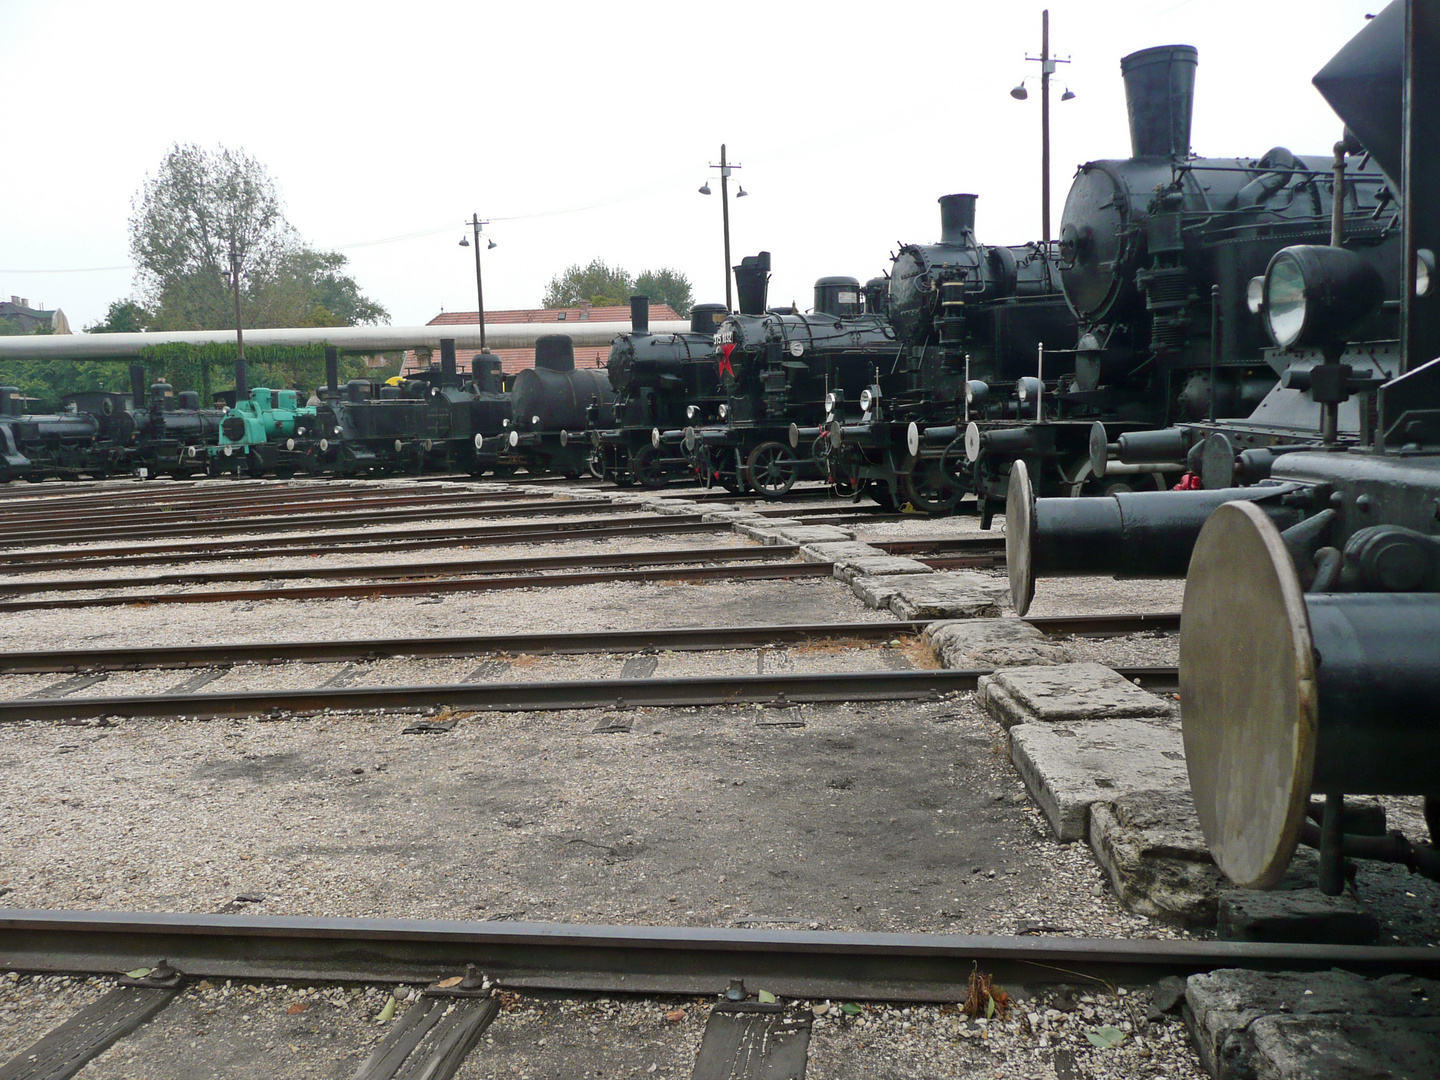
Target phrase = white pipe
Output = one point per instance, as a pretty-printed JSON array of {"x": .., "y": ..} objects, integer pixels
[{"x": 352, "y": 339}]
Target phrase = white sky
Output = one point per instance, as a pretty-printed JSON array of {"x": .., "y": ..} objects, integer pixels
[{"x": 387, "y": 120}]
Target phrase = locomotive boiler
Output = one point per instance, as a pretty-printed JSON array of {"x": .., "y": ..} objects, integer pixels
[
  {"x": 553, "y": 404},
  {"x": 661, "y": 383},
  {"x": 1312, "y": 598}
]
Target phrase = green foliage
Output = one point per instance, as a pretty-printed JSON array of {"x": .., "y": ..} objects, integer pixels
[
  {"x": 666, "y": 286},
  {"x": 300, "y": 367},
  {"x": 606, "y": 286},
  {"x": 203, "y": 206},
  {"x": 50, "y": 380},
  {"x": 10, "y": 327},
  {"x": 122, "y": 317}
]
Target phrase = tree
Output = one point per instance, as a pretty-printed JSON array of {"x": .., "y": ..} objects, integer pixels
[
  {"x": 597, "y": 284},
  {"x": 666, "y": 286},
  {"x": 122, "y": 317},
  {"x": 199, "y": 208},
  {"x": 606, "y": 286}
]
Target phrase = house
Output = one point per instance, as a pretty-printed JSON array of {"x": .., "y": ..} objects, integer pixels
[
  {"x": 514, "y": 360},
  {"x": 19, "y": 312}
]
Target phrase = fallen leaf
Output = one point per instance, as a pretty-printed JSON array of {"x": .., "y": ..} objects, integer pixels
[
  {"x": 1106, "y": 1037},
  {"x": 766, "y": 997},
  {"x": 296, "y": 1009},
  {"x": 850, "y": 1009},
  {"x": 454, "y": 980},
  {"x": 138, "y": 973},
  {"x": 675, "y": 1015},
  {"x": 388, "y": 1012}
]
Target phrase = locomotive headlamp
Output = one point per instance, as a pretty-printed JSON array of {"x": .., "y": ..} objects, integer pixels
[
  {"x": 1318, "y": 296},
  {"x": 534, "y": 421},
  {"x": 832, "y": 399},
  {"x": 1028, "y": 387},
  {"x": 1424, "y": 271},
  {"x": 692, "y": 411},
  {"x": 336, "y": 431},
  {"x": 866, "y": 399},
  {"x": 1255, "y": 294},
  {"x": 724, "y": 411},
  {"x": 976, "y": 392}
]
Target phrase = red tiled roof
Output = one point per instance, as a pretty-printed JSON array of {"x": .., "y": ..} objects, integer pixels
[{"x": 513, "y": 360}]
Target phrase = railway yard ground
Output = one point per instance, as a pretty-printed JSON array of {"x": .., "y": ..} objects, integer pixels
[{"x": 805, "y": 743}]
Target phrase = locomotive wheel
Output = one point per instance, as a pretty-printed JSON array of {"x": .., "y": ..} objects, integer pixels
[
  {"x": 645, "y": 467},
  {"x": 926, "y": 487},
  {"x": 770, "y": 469}
]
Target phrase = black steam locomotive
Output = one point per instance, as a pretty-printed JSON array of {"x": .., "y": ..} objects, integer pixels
[
  {"x": 970, "y": 322},
  {"x": 1312, "y": 598},
  {"x": 781, "y": 374},
  {"x": 661, "y": 383},
  {"x": 1155, "y": 254},
  {"x": 553, "y": 404}
]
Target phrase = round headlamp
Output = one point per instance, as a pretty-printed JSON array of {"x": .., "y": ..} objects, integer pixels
[
  {"x": 1255, "y": 294},
  {"x": 692, "y": 411},
  {"x": 1424, "y": 271},
  {"x": 866, "y": 399},
  {"x": 976, "y": 391},
  {"x": 831, "y": 400},
  {"x": 724, "y": 411},
  {"x": 1028, "y": 387},
  {"x": 1314, "y": 295},
  {"x": 479, "y": 441}
]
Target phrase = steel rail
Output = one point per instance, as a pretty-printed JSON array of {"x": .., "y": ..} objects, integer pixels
[
  {"x": 425, "y": 587},
  {"x": 479, "y": 508},
  {"x": 674, "y": 639},
  {"x": 1160, "y": 622},
  {"x": 534, "y": 956},
  {"x": 417, "y": 571},
  {"x": 539, "y": 696},
  {"x": 429, "y": 539},
  {"x": 179, "y": 510}
]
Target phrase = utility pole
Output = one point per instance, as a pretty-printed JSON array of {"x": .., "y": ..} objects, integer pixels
[
  {"x": 1047, "y": 68},
  {"x": 242, "y": 382},
  {"x": 479, "y": 284},
  {"x": 725, "y": 167}
]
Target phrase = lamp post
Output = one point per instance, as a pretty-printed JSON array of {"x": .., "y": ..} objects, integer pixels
[
  {"x": 1047, "y": 68},
  {"x": 725, "y": 168},
  {"x": 476, "y": 224},
  {"x": 242, "y": 382}
]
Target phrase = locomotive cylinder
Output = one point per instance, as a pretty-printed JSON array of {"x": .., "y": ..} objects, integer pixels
[{"x": 1134, "y": 533}]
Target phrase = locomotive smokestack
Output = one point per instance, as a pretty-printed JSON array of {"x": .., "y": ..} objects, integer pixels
[
  {"x": 640, "y": 314},
  {"x": 752, "y": 281},
  {"x": 447, "y": 360},
  {"x": 1160, "y": 94},
  {"x": 332, "y": 371},
  {"x": 957, "y": 220},
  {"x": 137, "y": 386}
]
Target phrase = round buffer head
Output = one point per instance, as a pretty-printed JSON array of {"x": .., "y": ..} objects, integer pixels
[
  {"x": 1019, "y": 537},
  {"x": 1247, "y": 694}
]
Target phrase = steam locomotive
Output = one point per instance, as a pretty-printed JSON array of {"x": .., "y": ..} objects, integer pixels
[
  {"x": 553, "y": 404},
  {"x": 1312, "y": 598},
  {"x": 660, "y": 382},
  {"x": 781, "y": 374},
  {"x": 969, "y": 322}
]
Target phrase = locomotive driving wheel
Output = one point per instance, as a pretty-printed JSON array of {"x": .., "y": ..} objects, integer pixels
[
  {"x": 927, "y": 487},
  {"x": 646, "y": 468},
  {"x": 771, "y": 468}
]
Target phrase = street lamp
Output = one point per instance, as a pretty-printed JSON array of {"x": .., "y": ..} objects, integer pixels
[
  {"x": 1047, "y": 68},
  {"x": 725, "y": 168},
  {"x": 476, "y": 223},
  {"x": 242, "y": 382}
]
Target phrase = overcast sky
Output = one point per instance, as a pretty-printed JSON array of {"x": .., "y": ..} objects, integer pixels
[{"x": 584, "y": 130}]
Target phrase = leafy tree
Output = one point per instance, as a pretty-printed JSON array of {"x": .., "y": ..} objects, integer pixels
[
  {"x": 666, "y": 286},
  {"x": 122, "y": 317},
  {"x": 597, "y": 284},
  {"x": 606, "y": 286}
]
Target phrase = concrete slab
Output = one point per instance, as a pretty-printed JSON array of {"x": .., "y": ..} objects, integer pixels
[
  {"x": 951, "y": 594},
  {"x": 877, "y": 592},
  {"x": 878, "y": 566},
  {"x": 1065, "y": 692},
  {"x": 1151, "y": 846},
  {"x": 1295, "y": 915},
  {"x": 677, "y": 507},
  {"x": 970, "y": 644},
  {"x": 765, "y": 530},
  {"x": 1067, "y": 767},
  {"x": 839, "y": 551},
  {"x": 813, "y": 534},
  {"x": 1245, "y": 1023}
]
